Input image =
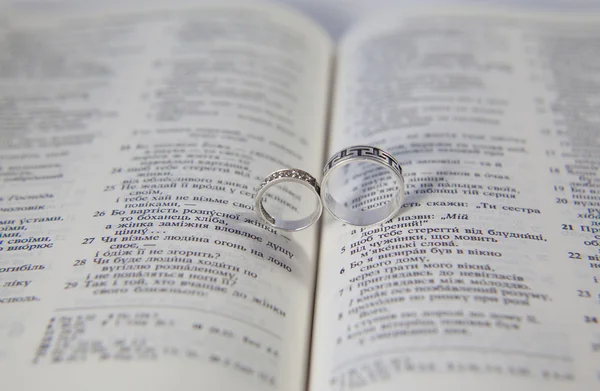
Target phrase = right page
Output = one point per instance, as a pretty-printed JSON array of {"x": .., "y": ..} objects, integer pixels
[{"x": 490, "y": 275}]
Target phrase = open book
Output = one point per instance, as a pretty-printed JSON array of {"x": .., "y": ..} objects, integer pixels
[{"x": 133, "y": 143}]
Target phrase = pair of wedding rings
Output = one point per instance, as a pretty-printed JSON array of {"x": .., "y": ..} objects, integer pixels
[{"x": 379, "y": 188}]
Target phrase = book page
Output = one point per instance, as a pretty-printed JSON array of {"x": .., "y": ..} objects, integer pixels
[
  {"x": 489, "y": 277},
  {"x": 132, "y": 146}
]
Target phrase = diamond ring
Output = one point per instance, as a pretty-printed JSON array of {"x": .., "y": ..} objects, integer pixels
[{"x": 287, "y": 175}]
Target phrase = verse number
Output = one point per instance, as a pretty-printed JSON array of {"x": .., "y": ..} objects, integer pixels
[
  {"x": 70, "y": 285},
  {"x": 582, "y": 293},
  {"x": 99, "y": 213},
  {"x": 79, "y": 262},
  {"x": 573, "y": 255},
  {"x": 88, "y": 240}
]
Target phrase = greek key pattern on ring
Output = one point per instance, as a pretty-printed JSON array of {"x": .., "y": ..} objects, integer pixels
[{"x": 363, "y": 152}]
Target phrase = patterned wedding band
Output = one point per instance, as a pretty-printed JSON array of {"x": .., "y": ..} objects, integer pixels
[
  {"x": 288, "y": 175},
  {"x": 382, "y": 206}
]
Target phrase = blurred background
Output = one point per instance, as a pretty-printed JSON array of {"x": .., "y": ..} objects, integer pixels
[{"x": 334, "y": 15}]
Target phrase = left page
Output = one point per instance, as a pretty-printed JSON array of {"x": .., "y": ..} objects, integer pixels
[{"x": 132, "y": 144}]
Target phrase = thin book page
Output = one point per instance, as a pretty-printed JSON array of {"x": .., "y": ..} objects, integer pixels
[
  {"x": 133, "y": 143},
  {"x": 489, "y": 277}
]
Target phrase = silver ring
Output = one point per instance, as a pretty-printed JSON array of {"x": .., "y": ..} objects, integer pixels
[
  {"x": 288, "y": 175},
  {"x": 379, "y": 206}
]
